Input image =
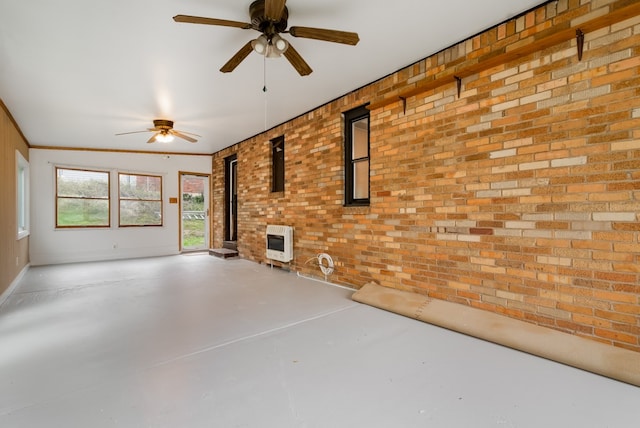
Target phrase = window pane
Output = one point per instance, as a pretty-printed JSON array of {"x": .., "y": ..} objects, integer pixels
[
  {"x": 144, "y": 187},
  {"x": 82, "y": 198},
  {"x": 140, "y": 213},
  {"x": 356, "y": 157},
  {"x": 140, "y": 200},
  {"x": 22, "y": 168},
  {"x": 82, "y": 184},
  {"x": 277, "y": 164},
  {"x": 360, "y": 134},
  {"x": 361, "y": 180},
  {"x": 21, "y": 198},
  {"x": 82, "y": 212},
  {"x": 193, "y": 212}
]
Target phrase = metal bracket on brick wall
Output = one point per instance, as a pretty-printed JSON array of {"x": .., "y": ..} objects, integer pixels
[
  {"x": 580, "y": 43},
  {"x": 458, "y": 84},
  {"x": 404, "y": 105}
]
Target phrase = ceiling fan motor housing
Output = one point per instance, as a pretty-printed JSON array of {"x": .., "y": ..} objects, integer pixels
[
  {"x": 163, "y": 124},
  {"x": 260, "y": 22}
]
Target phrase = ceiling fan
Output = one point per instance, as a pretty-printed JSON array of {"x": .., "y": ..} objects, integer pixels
[
  {"x": 269, "y": 17},
  {"x": 164, "y": 132}
]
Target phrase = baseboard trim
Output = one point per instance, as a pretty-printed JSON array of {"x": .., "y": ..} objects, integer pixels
[
  {"x": 5, "y": 295},
  {"x": 606, "y": 360}
]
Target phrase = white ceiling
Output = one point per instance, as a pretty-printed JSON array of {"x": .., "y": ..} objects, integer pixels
[{"x": 73, "y": 73}]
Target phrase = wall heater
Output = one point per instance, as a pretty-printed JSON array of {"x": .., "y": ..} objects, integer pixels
[{"x": 280, "y": 243}]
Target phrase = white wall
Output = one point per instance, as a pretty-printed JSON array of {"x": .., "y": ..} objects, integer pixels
[{"x": 51, "y": 246}]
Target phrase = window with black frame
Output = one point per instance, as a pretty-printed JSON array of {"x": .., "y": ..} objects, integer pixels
[
  {"x": 356, "y": 156},
  {"x": 277, "y": 164}
]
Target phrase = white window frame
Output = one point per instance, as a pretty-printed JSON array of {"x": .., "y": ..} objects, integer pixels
[{"x": 22, "y": 196}]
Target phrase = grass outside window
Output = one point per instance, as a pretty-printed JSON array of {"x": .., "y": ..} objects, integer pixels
[
  {"x": 82, "y": 198},
  {"x": 140, "y": 200}
]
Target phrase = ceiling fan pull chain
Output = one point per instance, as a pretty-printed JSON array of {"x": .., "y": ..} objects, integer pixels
[
  {"x": 264, "y": 73},
  {"x": 264, "y": 90}
]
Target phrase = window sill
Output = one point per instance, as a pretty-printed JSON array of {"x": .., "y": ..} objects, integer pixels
[
  {"x": 357, "y": 204},
  {"x": 357, "y": 209}
]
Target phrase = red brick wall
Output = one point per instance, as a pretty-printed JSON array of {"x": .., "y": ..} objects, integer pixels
[{"x": 521, "y": 196}]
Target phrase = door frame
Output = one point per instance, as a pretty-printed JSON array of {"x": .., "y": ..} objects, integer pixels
[
  {"x": 208, "y": 207},
  {"x": 230, "y": 199}
]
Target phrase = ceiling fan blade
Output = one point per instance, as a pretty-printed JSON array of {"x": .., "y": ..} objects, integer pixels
[
  {"x": 273, "y": 9},
  {"x": 297, "y": 61},
  {"x": 211, "y": 21},
  {"x": 188, "y": 133},
  {"x": 237, "y": 58},
  {"x": 335, "y": 36},
  {"x": 134, "y": 132},
  {"x": 183, "y": 136},
  {"x": 152, "y": 139}
]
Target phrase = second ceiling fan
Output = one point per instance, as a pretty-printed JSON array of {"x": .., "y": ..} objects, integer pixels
[{"x": 269, "y": 17}]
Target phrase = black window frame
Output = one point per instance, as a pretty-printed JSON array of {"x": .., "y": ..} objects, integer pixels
[
  {"x": 350, "y": 117},
  {"x": 277, "y": 164}
]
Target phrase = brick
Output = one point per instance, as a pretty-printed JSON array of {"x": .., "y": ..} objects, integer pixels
[
  {"x": 502, "y": 154},
  {"x": 580, "y": 160},
  {"x": 608, "y": 59},
  {"x": 615, "y": 297},
  {"x": 627, "y": 309},
  {"x": 617, "y": 336},
  {"x": 578, "y": 234},
  {"x": 575, "y": 309},
  {"x": 615, "y": 316},
  {"x": 633, "y": 227},
  {"x": 533, "y": 165},
  {"x": 591, "y": 225},
  {"x": 555, "y": 313},
  {"x": 562, "y": 261},
  {"x": 520, "y": 225},
  {"x": 631, "y": 216},
  {"x": 591, "y": 320}
]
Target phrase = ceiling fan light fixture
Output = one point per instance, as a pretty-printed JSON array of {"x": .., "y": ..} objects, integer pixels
[
  {"x": 164, "y": 132},
  {"x": 279, "y": 44},
  {"x": 260, "y": 45},
  {"x": 164, "y": 137},
  {"x": 272, "y": 52}
]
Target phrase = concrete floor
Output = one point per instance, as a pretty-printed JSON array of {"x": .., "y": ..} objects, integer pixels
[{"x": 196, "y": 341}]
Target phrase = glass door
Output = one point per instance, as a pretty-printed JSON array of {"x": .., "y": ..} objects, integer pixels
[{"x": 194, "y": 212}]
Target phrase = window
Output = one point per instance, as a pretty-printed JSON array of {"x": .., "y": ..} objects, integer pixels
[
  {"x": 22, "y": 195},
  {"x": 356, "y": 156},
  {"x": 277, "y": 164},
  {"x": 82, "y": 198},
  {"x": 140, "y": 200}
]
